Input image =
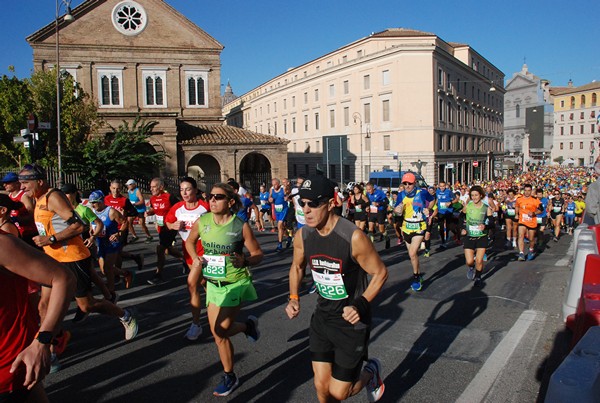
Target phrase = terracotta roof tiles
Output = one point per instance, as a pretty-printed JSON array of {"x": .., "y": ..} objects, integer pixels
[{"x": 215, "y": 135}]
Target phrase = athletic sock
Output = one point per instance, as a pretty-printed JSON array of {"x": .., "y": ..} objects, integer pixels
[{"x": 428, "y": 244}]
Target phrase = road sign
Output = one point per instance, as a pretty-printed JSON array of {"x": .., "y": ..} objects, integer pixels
[
  {"x": 44, "y": 125},
  {"x": 475, "y": 164},
  {"x": 450, "y": 165},
  {"x": 497, "y": 165}
]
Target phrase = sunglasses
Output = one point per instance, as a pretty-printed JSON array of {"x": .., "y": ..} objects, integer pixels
[
  {"x": 313, "y": 203},
  {"x": 217, "y": 196},
  {"x": 408, "y": 183}
]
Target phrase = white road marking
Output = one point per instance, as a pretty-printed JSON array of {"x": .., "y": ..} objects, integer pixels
[{"x": 491, "y": 369}]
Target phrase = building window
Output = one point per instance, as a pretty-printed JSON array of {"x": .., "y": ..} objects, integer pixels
[
  {"x": 274, "y": 107},
  {"x": 332, "y": 118},
  {"x": 316, "y": 95},
  {"x": 594, "y": 99},
  {"x": 562, "y": 104},
  {"x": 305, "y": 123},
  {"x": 582, "y": 115},
  {"x": 294, "y": 125},
  {"x": 367, "y": 110},
  {"x": 331, "y": 90},
  {"x": 592, "y": 128},
  {"x": 440, "y": 109},
  {"x": 305, "y": 98},
  {"x": 581, "y": 145},
  {"x": 317, "y": 146},
  {"x": 110, "y": 83},
  {"x": 562, "y": 130},
  {"x": 359, "y": 54},
  {"x": 268, "y": 109},
  {"x": 518, "y": 110},
  {"x": 583, "y": 101},
  {"x": 440, "y": 78},
  {"x": 580, "y": 129},
  {"x": 317, "y": 121},
  {"x": 448, "y": 82},
  {"x": 346, "y": 87},
  {"x": 570, "y": 145},
  {"x": 561, "y": 146},
  {"x": 294, "y": 101},
  {"x": 385, "y": 77},
  {"x": 367, "y": 82},
  {"x": 570, "y": 129},
  {"x": 386, "y": 142},
  {"x": 441, "y": 142},
  {"x": 129, "y": 18},
  {"x": 154, "y": 88},
  {"x": 562, "y": 117},
  {"x": 449, "y": 112},
  {"x": 367, "y": 143},
  {"x": 572, "y": 102},
  {"x": 459, "y": 115},
  {"x": 385, "y": 110},
  {"x": 284, "y": 126},
  {"x": 346, "y": 116},
  {"x": 197, "y": 88}
]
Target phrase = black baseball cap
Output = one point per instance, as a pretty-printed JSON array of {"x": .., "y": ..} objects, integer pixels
[{"x": 317, "y": 187}]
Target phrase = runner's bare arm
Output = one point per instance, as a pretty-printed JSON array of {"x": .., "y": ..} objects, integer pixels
[
  {"x": 367, "y": 257},
  {"x": 190, "y": 244},
  {"x": 296, "y": 273},
  {"x": 253, "y": 247},
  {"x": 59, "y": 204}
]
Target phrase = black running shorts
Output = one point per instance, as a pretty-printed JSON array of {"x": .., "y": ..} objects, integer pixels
[{"x": 344, "y": 348}]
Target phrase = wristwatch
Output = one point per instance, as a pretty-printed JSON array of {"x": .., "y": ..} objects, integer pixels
[
  {"x": 53, "y": 239},
  {"x": 45, "y": 337}
]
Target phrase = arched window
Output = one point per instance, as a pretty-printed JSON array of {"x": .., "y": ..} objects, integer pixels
[
  {"x": 583, "y": 101},
  {"x": 572, "y": 102},
  {"x": 594, "y": 99}
]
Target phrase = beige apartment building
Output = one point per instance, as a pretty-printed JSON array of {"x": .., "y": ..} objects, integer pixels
[
  {"x": 144, "y": 58},
  {"x": 396, "y": 99},
  {"x": 577, "y": 122}
]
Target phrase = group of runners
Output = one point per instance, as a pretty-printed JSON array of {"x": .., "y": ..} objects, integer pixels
[{"x": 332, "y": 234}]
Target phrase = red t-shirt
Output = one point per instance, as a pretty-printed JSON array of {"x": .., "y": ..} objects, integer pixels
[
  {"x": 24, "y": 229},
  {"x": 179, "y": 212},
  {"x": 161, "y": 205},
  {"x": 17, "y": 327},
  {"x": 118, "y": 203}
]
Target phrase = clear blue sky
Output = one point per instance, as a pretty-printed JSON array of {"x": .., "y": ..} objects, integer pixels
[{"x": 263, "y": 38}]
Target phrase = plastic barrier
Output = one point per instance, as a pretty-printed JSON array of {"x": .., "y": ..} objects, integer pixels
[
  {"x": 577, "y": 379},
  {"x": 596, "y": 230},
  {"x": 582, "y": 233},
  {"x": 592, "y": 270},
  {"x": 583, "y": 248},
  {"x": 588, "y": 311}
]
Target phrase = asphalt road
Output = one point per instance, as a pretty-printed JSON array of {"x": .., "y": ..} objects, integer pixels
[{"x": 449, "y": 342}]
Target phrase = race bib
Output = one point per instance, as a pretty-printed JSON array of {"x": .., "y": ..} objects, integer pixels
[
  {"x": 557, "y": 209},
  {"x": 160, "y": 220},
  {"x": 413, "y": 226},
  {"x": 372, "y": 209},
  {"x": 278, "y": 208},
  {"x": 444, "y": 205},
  {"x": 510, "y": 212},
  {"x": 495, "y": 214},
  {"x": 358, "y": 209},
  {"x": 214, "y": 267},
  {"x": 102, "y": 233},
  {"x": 40, "y": 228},
  {"x": 188, "y": 219},
  {"x": 474, "y": 231},
  {"x": 263, "y": 202},
  {"x": 525, "y": 217},
  {"x": 539, "y": 220},
  {"x": 330, "y": 286}
]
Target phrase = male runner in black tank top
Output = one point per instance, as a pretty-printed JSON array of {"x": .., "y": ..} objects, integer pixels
[{"x": 340, "y": 257}]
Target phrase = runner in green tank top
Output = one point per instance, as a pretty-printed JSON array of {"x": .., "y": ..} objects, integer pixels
[
  {"x": 224, "y": 266},
  {"x": 475, "y": 242}
]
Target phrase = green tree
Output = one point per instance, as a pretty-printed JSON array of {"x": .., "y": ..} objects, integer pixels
[
  {"x": 15, "y": 106},
  {"x": 125, "y": 152},
  {"x": 559, "y": 159},
  {"x": 79, "y": 118}
]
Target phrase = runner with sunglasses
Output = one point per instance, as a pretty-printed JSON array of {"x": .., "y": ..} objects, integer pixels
[
  {"x": 226, "y": 269},
  {"x": 340, "y": 257},
  {"x": 556, "y": 209},
  {"x": 180, "y": 218},
  {"x": 478, "y": 217},
  {"x": 415, "y": 205}
]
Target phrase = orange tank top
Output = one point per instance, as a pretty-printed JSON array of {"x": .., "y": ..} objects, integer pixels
[{"x": 49, "y": 223}]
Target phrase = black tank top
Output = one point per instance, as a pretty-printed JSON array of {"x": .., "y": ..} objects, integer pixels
[{"x": 332, "y": 254}]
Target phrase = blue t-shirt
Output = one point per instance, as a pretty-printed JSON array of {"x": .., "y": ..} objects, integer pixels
[
  {"x": 244, "y": 211},
  {"x": 264, "y": 200},
  {"x": 378, "y": 197},
  {"x": 544, "y": 201},
  {"x": 421, "y": 201},
  {"x": 444, "y": 200},
  {"x": 570, "y": 209}
]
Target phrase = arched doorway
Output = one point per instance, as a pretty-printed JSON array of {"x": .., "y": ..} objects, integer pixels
[
  {"x": 255, "y": 169},
  {"x": 205, "y": 169}
]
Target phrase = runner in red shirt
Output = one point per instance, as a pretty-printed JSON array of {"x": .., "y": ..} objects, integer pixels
[
  {"x": 23, "y": 351},
  {"x": 23, "y": 216},
  {"x": 160, "y": 204},
  {"x": 180, "y": 218}
]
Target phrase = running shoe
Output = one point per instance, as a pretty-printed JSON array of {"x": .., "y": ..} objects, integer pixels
[
  {"x": 288, "y": 243},
  {"x": 313, "y": 288},
  {"x": 470, "y": 272},
  {"x": 133, "y": 239},
  {"x": 252, "y": 332},
  {"x": 478, "y": 282},
  {"x": 272, "y": 229},
  {"x": 427, "y": 253},
  {"x": 228, "y": 383},
  {"x": 485, "y": 258},
  {"x": 193, "y": 332},
  {"x": 531, "y": 255},
  {"x": 80, "y": 316},
  {"x": 521, "y": 257},
  {"x": 387, "y": 242},
  {"x": 129, "y": 278},
  {"x": 61, "y": 342},
  {"x": 148, "y": 239},
  {"x": 555, "y": 239},
  {"x": 375, "y": 387},
  {"x": 54, "y": 364},
  {"x": 399, "y": 242},
  {"x": 131, "y": 326},
  {"x": 417, "y": 283},
  {"x": 508, "y": 244},
  {"x": 279, "y": 247},
  {"x": 157, "y": 279}
]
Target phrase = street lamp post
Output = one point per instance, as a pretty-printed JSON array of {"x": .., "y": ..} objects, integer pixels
[
  {"x": 67, "y": 17},
  {"x": 356, "y": 116}
]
